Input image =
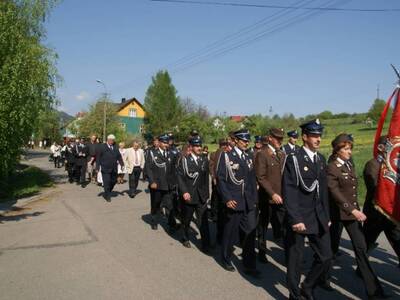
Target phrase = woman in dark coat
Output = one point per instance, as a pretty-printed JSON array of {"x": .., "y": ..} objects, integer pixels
[{"x": 342, "y": 184}]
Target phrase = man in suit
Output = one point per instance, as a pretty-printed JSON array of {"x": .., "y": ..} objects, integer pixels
[
  {"x": 193, "y": 182},
  {"x": 305, "y": 196},
  {"x": 291, "y": 146},
  {"x": 238, "y": 189},
  {"x": 69, "y": 158},
  {"x": 158, "y": 168},
  {"x": 269, "y": 164},
  {"x": 134, "y": 166},
  {"x": 81, "y": 154},
  {"x": 108, "y": 157},
  {"x": 257, "y": 145}
]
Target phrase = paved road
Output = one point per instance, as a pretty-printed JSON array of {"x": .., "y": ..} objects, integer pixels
[{"x": 70, "y": 244}]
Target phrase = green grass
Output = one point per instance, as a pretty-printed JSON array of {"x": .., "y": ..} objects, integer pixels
[{"x": 25, "y": 181}]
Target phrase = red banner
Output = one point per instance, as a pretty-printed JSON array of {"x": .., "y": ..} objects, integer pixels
[{"x": 387, "y": 198}]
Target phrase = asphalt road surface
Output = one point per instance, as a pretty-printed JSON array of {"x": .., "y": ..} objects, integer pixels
[{"x": 68, "y": 243}]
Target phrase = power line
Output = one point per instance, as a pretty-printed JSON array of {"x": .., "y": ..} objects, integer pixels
[
  {"x": 279, "y": 27},
  {"x": 217, "y": 3},
  {"x": 230, "y": 38}
]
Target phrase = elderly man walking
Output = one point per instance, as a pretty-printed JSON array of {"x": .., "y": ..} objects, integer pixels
[
  {"x": 107, "y": 158},
  {"x": 134, "y": 166}
]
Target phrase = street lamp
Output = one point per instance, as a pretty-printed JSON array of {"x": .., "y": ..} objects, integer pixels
[{"x": 104, "y": 108}]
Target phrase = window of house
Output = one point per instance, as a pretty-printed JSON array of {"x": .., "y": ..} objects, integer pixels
[{"x": 133, "y": 112}]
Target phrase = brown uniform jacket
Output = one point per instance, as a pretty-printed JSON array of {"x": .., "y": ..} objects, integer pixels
[
  {"x": 213, "y": 164},
  {"x": 342, "y": 185},
  {"x": 269, "y": 167}
]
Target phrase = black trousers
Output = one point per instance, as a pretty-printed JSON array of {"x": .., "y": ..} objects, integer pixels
[
  {"x": 321, "y": 245},
  {"x": 134, "y": 180},
  {"x": 70, "y": 170},
  {"x": 237, "y": 222},
  {"x": 80, "y": 172},
  {"x": 109, "y": 181},
  {"x": 375, "y": 224},
  {"x": 278, "y": 213},
  {"x": 371, "y": 282},
  {"x": 264, "y": 215},
  {"x": 201, "y": 221},
  {"x": 158, "y": 197},
  {"x": 335, "y": 230}
]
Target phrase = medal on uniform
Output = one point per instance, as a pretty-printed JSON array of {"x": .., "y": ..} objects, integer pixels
[{"x": 305, "y": 168}]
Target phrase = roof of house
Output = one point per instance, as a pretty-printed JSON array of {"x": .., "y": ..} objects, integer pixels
[
  {"x": 125, "y": 103},
  {"x": 237, "y": 118}
]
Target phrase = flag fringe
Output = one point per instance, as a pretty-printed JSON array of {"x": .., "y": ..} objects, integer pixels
[{"x": 378, "y": 208}]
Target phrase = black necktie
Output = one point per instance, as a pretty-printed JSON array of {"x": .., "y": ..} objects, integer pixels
[{"x": 315, "y": 159}]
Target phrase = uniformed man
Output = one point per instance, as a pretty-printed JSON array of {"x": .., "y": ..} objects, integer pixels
[
  {"x": 376, "y": 222},
  {"x": 193, "y": 181},
  {"x": 174, "y": 154},
  {"x": 291, "y": 146},
  {"x": 158, "y": 168},
  {"x": 269, "y": 164},
  {"x": 305, "y": 196},
  {"x": 217, "y": 206},
  {"x": 238, "y": 189},
  {"x": 257, "y": 145}
]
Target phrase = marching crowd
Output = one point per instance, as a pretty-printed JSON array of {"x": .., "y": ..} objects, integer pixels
[{"x": 292, "y": 187}]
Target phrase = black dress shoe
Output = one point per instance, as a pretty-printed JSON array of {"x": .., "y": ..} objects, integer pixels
[
  {"x": 208, "y": 250},
  {"x": 252, "y": 273},
  {"x": 131, "y": 195},
  {"x": 228, "y": 267},
  {"x": 186, "y": 244},
  {"x": 262, "y": 258},
  {"x": 154, "y": 226},
  {"x": 107, "y": 198}
]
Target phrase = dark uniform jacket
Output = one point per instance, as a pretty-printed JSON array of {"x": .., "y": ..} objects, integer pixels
[
  {"x": 289, "y": 150},
  {"x": 159, "y": 169},
  {"x": 107, "y": 159},
  {"x": 69, "y": 154},
  {"x": 342, "y": 184},
  {"x": 237, "y": 180},
  {"x": 81, "y": 153},
  {"x": 303, "y": 205},
  {"x": 174, "y": 154},
  {"x": 193, "y": 178},
  {"x": 371, "y": 174},
  {"x": 269, "y": 167},
  {"x": 92, "y": 149}
]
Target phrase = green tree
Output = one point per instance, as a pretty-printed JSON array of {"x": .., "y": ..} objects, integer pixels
[
  {"x": 376, "y": 109},
  {"x": 48, "y": 125},
  {"x": 27, "y": 75},
  {"x": 163, "y": 108},
  {"x": 93, "y": 121}
]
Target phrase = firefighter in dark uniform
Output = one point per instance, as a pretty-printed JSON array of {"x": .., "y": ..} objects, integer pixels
[
  {"x": 159, "y": 167},
  {"x": 291, "y": 146},
  {"x": 257, "y": 145},
  {"x": 377, "y": 222},
  {"x": 342, "y": 184},
  {"x": 193, "y": 181},
  {"x": 305, "y": 197},
  {"x": 238, "y": 189},
  {"x": 174, "y": 154},
  {"x": 269, "y": 163}
]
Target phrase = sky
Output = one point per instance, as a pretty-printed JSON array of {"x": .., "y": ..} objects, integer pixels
[{"x": 329, "y": 61}]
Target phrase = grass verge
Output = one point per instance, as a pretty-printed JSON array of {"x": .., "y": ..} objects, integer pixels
[{"x": 24, "y": 182}]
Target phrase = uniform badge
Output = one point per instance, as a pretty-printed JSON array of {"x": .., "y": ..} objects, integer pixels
[{"x": 306, "y": 168}]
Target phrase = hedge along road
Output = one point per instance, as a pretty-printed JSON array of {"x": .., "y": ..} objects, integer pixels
[{"x": 70, "y": 244}]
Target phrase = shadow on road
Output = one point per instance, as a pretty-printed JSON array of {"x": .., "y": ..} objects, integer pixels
[{"x": 13, "y": 215}]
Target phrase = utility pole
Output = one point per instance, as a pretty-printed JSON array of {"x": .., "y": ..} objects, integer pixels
[
  {"x": 104, "y": 110},
  {"x": 378, "y": 92}
]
